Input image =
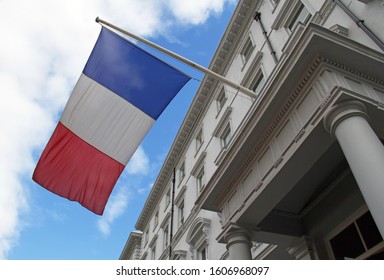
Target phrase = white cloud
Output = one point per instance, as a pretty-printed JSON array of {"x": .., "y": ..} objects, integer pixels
[
  {"x": 37, "y": 63},
  {"x": 44, "y": 48},
  {"x": 139, "y": 163},
  {"x": 114, "y": 209},
  {"x": 144, "y": 190},
  {"x": 195, "y": 12}
]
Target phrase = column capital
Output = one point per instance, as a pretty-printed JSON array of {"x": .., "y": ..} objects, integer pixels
[
  {"x": 238, "y": 235},
  {"x": 238, "y": 243},
  {"x": 341, "y": 111}
]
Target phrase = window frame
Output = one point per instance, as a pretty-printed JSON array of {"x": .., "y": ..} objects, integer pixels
[
  {"x": 200, "y": 180},
  {"x": 199, "y": 251},
  {"x": 166, "y": 236},
  {"x": 247, "y": 49},
  {"x": 352, "y": 220},
  {"x": 181, "y": 213},
  {"x": 153, "y": 252},
  {"x": 258, "y": 82},
  {"x": 226, "y": 136},
  {"x": 182, "y": 171},
  {"x": 167, "y": 198},
  {"x": 155, "y": 220},
  {"x": 221, "y": 99},
  {"x": 296, "y": 18},
  {"x": 199, "y": 139}
]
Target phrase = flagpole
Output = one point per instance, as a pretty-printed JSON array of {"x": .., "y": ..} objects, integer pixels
[
  {"x": 172, "y": 212},
  {"x": 205, "y": 70}
]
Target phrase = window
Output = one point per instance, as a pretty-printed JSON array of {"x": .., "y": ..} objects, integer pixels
[
  {"x": 258, "y": 83},
  {"x": 165, "y": 227},
  {"x": 156, "y": 220},
  {"x": 167, "y": 197},
  {"x": 166, "y": 237},
  {"x": 360, "y": 239},
  {"x": 290, "y": 15},
  {"x": 198, "y": 238},
  {"x": 180, "y": 204},
  {"x": 182, "y": 171},
  {"x": 198, "y": 172},
  {"x": 247, "y": 50},
  {"x": 301, "y": 15},
  {"x": 153, "y": 253},
  {"x": 181, "y": 213},
  {"x": 199, "y": 139},
  {"x": 200, "y": 180},
  {"x": 223, "y": 132},
  {"x": 202, "y": 252},
  {"x": 220, "y": 100},
  {"x": 226, "y": 136},
  {"x": 152, "y": 245}
]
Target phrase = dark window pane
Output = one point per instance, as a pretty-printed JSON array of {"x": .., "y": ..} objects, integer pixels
[
  {"x": 347, "y": 244},
  {"x": 369, "y": 230}
]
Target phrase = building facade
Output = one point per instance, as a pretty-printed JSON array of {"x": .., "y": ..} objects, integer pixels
[{"x": 294, "y": 171}]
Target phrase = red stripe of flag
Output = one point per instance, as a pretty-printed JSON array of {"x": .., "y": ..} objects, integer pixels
[{"x": 82, "y": 174}]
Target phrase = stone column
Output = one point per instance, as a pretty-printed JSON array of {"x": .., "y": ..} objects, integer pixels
[
  {"x": 239, "y": 245},
  {"x": 347, "y": 122}
]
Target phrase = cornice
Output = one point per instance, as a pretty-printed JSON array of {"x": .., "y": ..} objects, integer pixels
[
  {"x": 133, "y": 239},
  {"x": 352, "y": 71}
]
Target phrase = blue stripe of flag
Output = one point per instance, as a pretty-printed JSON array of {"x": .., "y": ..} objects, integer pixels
[{"x": 137, "y": 76}]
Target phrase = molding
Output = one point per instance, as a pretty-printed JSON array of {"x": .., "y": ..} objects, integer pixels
[
  {"x": 144, "y": 256},
  {"x": 199, "y": 163},
  {"x": 252, "y": 70},
  {"x": 180, "y": 196},
  {"x": 165, "y": 221},
  {"x": 220, "y": 157},
  {"x": 223, "y": 122},
  {"x": 153, "y": 241},
  {"x": 265, "y": 252},
  {"x": 199, "y": 229},
  {"x": 278, "y": 161},
  {"x": 299, "y": 135},
  {"x": 352, "y": 71},
  {"x": 339, "y": 30},
  {"x": 284, "y": 14},
  {"x": 321, "y": 16},
  {"x": 133, "y": 243},
  {"x": 179, "y": 255},
  {"x": 341, "y": 111}
]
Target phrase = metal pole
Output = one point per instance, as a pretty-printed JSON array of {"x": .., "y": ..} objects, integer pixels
[
  {"x": 172, "y": 210},
  {"x": 257, "y": 17},
  {"x": 224, "y": 80},
  {"x": 360, "y": 23}
]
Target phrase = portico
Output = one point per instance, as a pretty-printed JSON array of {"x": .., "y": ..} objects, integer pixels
[{"x": 302, "y": 172}]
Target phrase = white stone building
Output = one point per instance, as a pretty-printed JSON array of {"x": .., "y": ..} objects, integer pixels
[{"x": 295, "y": 172}]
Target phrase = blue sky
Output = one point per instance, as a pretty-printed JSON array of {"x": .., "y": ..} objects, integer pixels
[{"x": 45, "y": 46}]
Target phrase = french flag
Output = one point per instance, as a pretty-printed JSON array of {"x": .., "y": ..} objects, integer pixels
[{"x": 118, "y": 97}]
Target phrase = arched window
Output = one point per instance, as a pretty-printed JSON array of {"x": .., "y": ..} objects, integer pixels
[{"x": 198, "y": 239}]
